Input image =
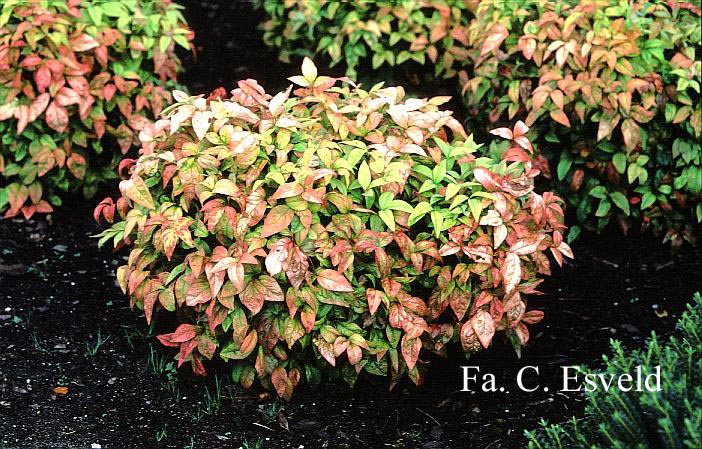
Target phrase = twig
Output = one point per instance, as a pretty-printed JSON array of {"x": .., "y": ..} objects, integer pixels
[
  {"x": 432, "y": 418},
  {"x": 265, "y": 427}
]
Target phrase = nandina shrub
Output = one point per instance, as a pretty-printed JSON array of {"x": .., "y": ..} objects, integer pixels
[
  {"x": 375, "y": 33},
  {"x": 611, "y": 91},
  {"x": 330, "y": 227},
  {"x": 78, "y": 81}
]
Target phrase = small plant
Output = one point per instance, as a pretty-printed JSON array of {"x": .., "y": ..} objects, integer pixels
[
  {"x": 611, "y": 90},
  {"x": 91, "y": 349},
  {"x": 667, "y": 419},
  {"x": 78, "y": 81},
  {"x": 330, "y": 229},
  {"x": 369, "y": 32}
]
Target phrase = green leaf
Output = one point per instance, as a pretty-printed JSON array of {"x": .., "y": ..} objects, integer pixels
[
  {"x": 563, "y": 167},
  {"x": 476, "y": 208},
  {"x": 388, "y": 218},
  {"x": 647, "y": 199},
  {"x": 603, "y": 208},
  {"x": 598, "y": 192},
  {"x": 619, "y": 161},
  {"x": 385, "y": 200},
  {"x": 451, "y": 190},
  {"x": 364, "y": 175},
  {"x": 401, "y": 206},
  {"x": 419, "y": 211},
  {"x": 620, "y": 200},
  {"x": 437, "y": 220}
]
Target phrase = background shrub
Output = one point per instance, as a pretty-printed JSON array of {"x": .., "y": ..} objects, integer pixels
[
  {"x": 369, "y": 33},
  {"x": 612, "y": 89},
  {"x": 334, "y": 227},
  {"x": 671, "y": 418},
  {"x": 78, "y": 81}
]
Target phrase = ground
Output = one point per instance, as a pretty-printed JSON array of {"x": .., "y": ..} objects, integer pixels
[{"x": 64, "y": 323}]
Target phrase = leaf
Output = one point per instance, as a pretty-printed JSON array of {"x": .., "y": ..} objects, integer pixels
[
  {"x": 559, "y": 116},
  {"x": 278, "y": 219},
  {"x": 309, "y": 70},
  {"x": 419, "y": 211},
  {"x": 265, "y": 288},
  {"x": 136, "y": 190},
  {"x": 511, "y": 272},
  {"x": 201, "y": 123},
  {"x": 234, "y": 351},
  {"x": 374, "y": 298},
  {"x": 410, "y": 350},
  {"x": 631, "y": 133},
  {"x": 83, "y": 42},
  {"x": 647, "y": 199},
  {"x": 484, "y": 327},
  {"x": 364, "y": 175},
  {"x": 619, "y": 162},
  {"x": 57, "y": 117},
  {"x": 333, "y": 281},
  {"x": 388, "y": 218},
  {"x": 281, "y": 382},
  {"x": 498, "y": 33},
  {"x": 620, "y": 200}
]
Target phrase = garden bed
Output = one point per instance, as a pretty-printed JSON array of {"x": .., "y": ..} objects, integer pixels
[{"x": 59, "y": 293}]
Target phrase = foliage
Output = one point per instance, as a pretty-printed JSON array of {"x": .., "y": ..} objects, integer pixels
[
  {"x": 334, "y": 227},
  {"x": 612, "y": 89},
  {"x": 369, "y": 32},
  {"x": 78, "y": 80},
  {"x": 670, "y": 418}
]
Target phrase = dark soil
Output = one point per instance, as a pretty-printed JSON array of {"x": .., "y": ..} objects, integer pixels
[
  {"x": 59, "y": 296},
  {"x": 58, "y": 299}
]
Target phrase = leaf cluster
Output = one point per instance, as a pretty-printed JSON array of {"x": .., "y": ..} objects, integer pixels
[
  {"x": 612, "y": 90},
  {"x": 77, "y": 80},
  {"x": 374, "y": 33}
]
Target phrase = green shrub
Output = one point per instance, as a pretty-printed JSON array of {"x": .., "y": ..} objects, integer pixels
[
  {"x": 371, "y": 33},
  {"x": 612, "y": 89},
  {"x": 668, "y": 419},
  {"x": 334, "y": 227},
  {"x": 78, "y": 81}
]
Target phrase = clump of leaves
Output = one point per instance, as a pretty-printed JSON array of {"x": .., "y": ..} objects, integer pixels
[
  {"x": 78, "y": 81},
  {"x": 330, "y": 227},
  {"x": 667, "y": 419},
  {"x": 369, "y": 32},
  {"x": 611, "y": 90}
]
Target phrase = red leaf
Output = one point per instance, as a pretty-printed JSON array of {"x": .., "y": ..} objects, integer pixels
[
  {"x": 374, "y": 298},
  {"x": 278, "y": 218},
  {"x": 484, "y": 327},
  {"x": 265, "y": 288},
  {"x": 498, "y": 34},
  {"x": 57, "y": 117},
  {"x": 333, "y": 281},
  {"x": 505, "y": 133},
  {"x": 279, "y": 379},
  {"x": 533, "y": 317},
  {"x": 42, "y": 78},
  {"x": 83, "y": 42},
  {"x": 410, "y": 350},
  {"x": 560, "y": 116}
]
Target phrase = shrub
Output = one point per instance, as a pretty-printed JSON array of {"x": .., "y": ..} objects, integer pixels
[
  {"x": 376, "y": 33},
  {"x": 78, "y": 80},
  {"x": 334, "y": 227},
  {"x": 670, "y": 418},
  {"x": 611, "y": 88}
]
